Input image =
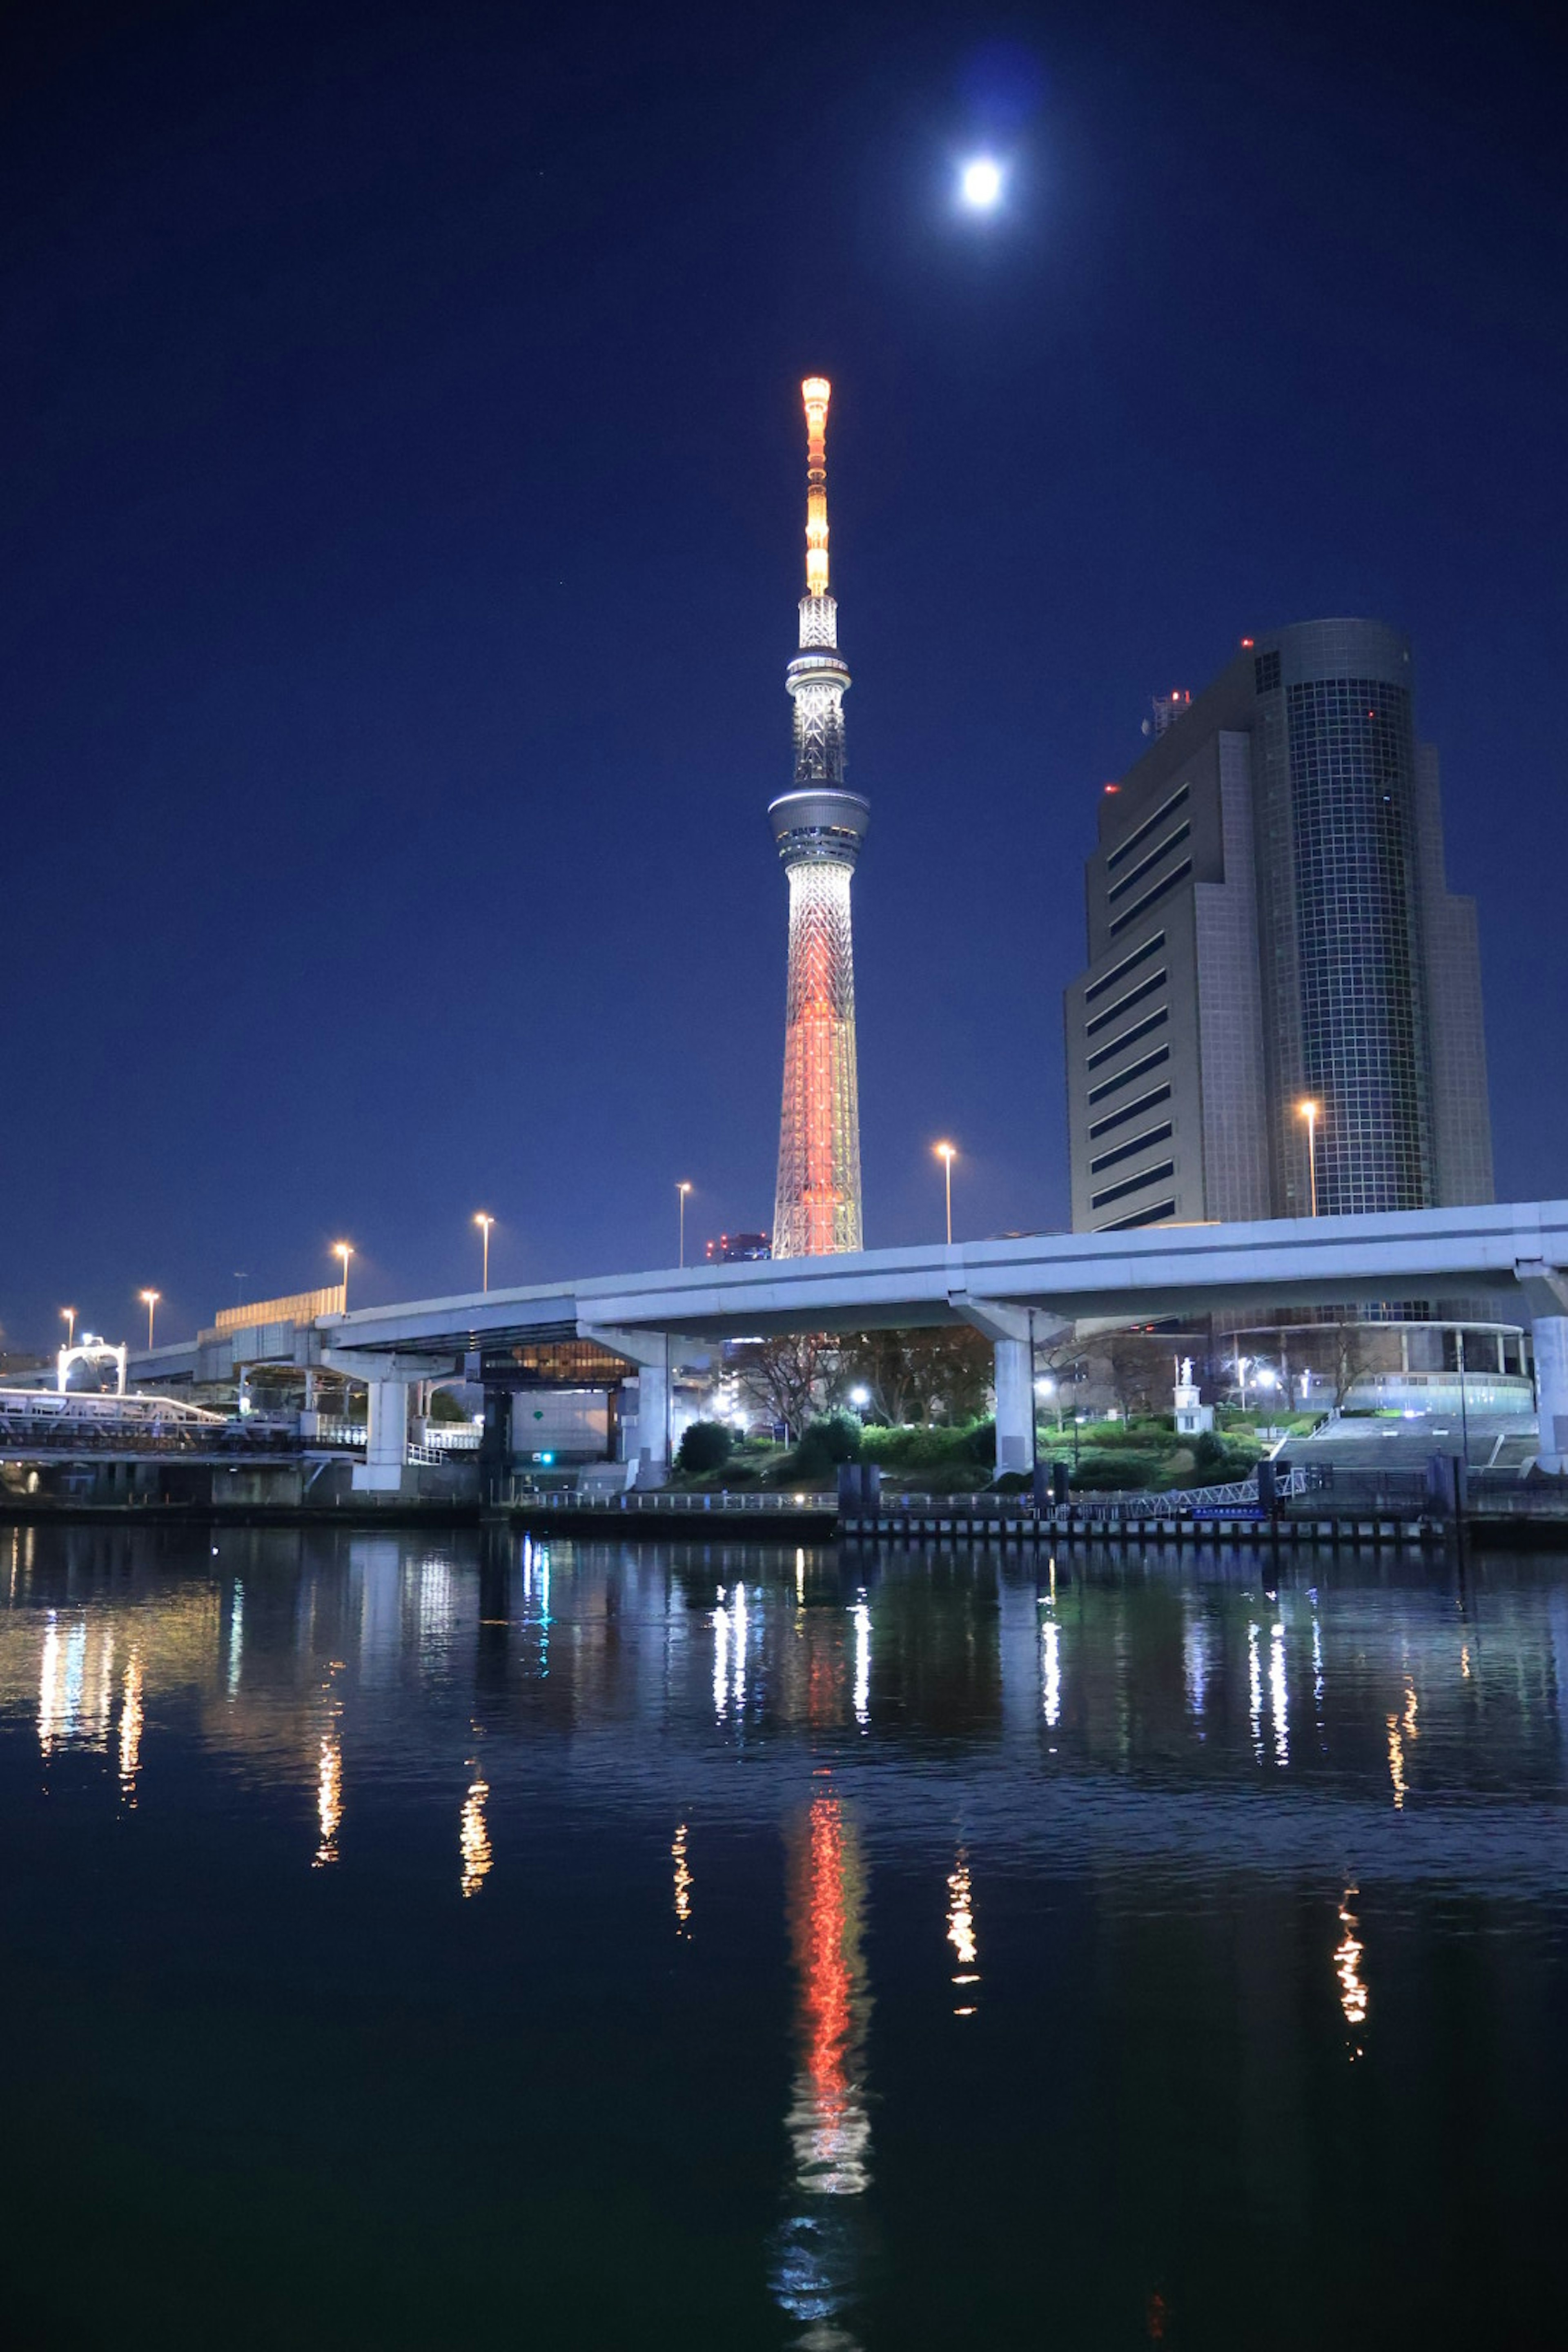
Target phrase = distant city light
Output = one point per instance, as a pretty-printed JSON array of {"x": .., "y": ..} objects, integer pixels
[{"x": 981, "y": 184}]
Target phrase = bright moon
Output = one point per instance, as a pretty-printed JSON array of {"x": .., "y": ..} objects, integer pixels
[{"x": 981, "y": 182}]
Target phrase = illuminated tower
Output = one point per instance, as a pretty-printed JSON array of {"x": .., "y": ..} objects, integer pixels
[{"x": 819, "y": 828}]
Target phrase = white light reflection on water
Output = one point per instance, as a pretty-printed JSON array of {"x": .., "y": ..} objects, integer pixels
[
  {"x": 1278, "y": 1705},
  {"x": 861, "y": 1613},
  {"x": 328, "y": 1798},
  {"x": 48, "y": 1685},
  {"x": 329, "y": 1778},
  {"x": 721, "y": 1658},
  {"x": 131, "y": 1730},
  {"x": 961, "y": 1933},
  {"x": 76, "y": 1684},
  {"x": 1255, "y": 1692},
  {"x": 473, "y": 1835},
  {"x": 740, "y": 1632},
  {"x": 536, "y": 1597},
  {"x": 236, "y": 1637},
  {"x": 1195, "y": 1669},
  {"x": 1051, "y": 1672}
]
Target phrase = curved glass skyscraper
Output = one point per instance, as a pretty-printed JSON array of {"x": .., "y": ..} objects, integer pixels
[{"x": 1269, "y": 925}]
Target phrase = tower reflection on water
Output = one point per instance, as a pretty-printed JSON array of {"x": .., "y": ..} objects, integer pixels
[{"x": 820, "y": 2253}]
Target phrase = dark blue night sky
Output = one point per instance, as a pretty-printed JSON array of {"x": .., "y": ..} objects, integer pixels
[{"x": 403, "y": 514}]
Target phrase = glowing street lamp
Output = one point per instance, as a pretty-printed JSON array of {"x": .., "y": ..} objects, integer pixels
[
  {"x": 150, "y": 1299},
  {"x": 484, "y": 1224},
  {"x": 947, "y": 1154},
  {"x": 682, "y": 1191},
  {"x": 345, "y": 1251},
  {"x": 1308, "y": 1111},
  {"x": 68, "y": 1316}
]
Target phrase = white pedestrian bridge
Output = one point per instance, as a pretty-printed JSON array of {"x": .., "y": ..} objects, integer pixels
[{"x": 1015, "y": 1291}]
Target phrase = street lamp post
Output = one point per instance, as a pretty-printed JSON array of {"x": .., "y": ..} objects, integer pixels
[
  {"x": 67, "y": 1316},
  {"x": 947, "y": 1155},
  {"x": 1308, "y": 1111},
  {"x": 682, "y": 1191},
  {"x": 484, "y": 1224},
  {"x": 150, "y": 1299},
  {"x": 345, "y": 1251}
]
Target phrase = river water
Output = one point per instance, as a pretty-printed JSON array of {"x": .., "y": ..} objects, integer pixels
[{"x": 447, "y": 1941}]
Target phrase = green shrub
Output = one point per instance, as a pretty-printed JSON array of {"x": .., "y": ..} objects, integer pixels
[
  {"x": 825, "y": 1444},
  {"x": 704, "y": 1445},
  {"x": 1117, "y": 1470},
  {"x": 905, "y": 1451},
  {"x": 1217, "y": 1465}
]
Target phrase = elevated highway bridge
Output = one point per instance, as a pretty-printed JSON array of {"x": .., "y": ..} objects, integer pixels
[{"x": 1015, "y": 1291}]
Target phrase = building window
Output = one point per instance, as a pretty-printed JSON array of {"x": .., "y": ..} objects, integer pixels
[
  {"x": 1265, "y": 673},
  {"x": 1125, "y": 849},
  {"x": 1132, "y": 1184},
  {"x": 1125, "y": 1004},
  {"x": 1128, "y": 1037},
  {"x": 1147, "y": 865},
  {"x": 1129, "y": 964},
  {"x": 1128, "y": 1151},
  {"x": 1179, "y": 874},
  {"x": 1153, "y": 1216},
  {"x": 1133, "y": 1070},
  {"x": 1131, "y": 1111}
]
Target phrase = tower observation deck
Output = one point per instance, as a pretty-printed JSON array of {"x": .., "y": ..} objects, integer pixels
[{"x": 819, "y": 827}]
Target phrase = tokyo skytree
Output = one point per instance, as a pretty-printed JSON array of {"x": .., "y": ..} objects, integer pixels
[{"x": 819, "y": 828}]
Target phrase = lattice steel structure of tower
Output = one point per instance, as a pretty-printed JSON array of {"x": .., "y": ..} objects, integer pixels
[{"x": 819, "y": 827}]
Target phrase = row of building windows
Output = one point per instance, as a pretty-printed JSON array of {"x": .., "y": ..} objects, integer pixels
[
  {"x": 1147, "y": 865},
  {"x": 1129, "y": 964},
  {"x": 1154, "y": 1215},
  {"x": 1178, "y": 874},
  {"x": 1125, "y": 849},
  {"x": 1132, "y": 1184},
  {"x": 1125, "y": 1004},
  {"x": 1133, "y": 1070},
  {"x": 1155, "y": 1096},
  {"x": 1128, "y": 1037},
  {"x": 1128, "y": 1151}
]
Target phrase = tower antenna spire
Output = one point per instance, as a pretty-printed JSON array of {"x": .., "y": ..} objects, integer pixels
[
  {"x": 819, "y": 828},
  {"x": 816, "y": 392}
]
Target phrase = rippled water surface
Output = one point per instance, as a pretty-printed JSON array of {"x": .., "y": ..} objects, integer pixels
[{"x": 423, "y": 1942}]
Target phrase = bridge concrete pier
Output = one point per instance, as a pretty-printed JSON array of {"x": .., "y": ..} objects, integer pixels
[
  {"x": 386, "y": 1440},
  {"x": 650, "y": 1351},
  {"x": 1012, "y": 1332},
  {"x": 1551, "y": 1336},
  {"x": 387, "y": 1379}
]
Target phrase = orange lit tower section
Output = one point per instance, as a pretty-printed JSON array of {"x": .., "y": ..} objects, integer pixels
[{"x": 819, "y": 828}]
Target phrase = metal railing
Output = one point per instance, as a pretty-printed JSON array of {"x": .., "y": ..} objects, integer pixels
[{"x": 1187, "y": 1502}]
